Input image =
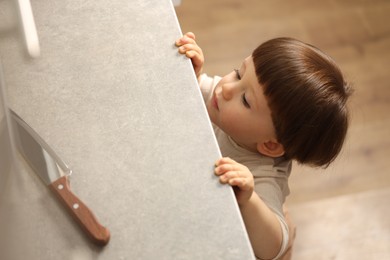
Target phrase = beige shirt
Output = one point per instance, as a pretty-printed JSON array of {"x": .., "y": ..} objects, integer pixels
[{"x": 270, "y": 174}]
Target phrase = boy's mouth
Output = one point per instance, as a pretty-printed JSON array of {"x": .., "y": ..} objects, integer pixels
[{"x": 214, "y": 101}]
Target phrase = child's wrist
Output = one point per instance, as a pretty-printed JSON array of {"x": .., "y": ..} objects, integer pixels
[{"x": 245, "y": 202}]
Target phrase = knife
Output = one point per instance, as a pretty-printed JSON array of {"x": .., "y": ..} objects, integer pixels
[{"x": 54, "y": 173}]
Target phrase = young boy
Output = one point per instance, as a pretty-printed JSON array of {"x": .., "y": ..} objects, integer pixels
[{"x": 287, "y": 101}]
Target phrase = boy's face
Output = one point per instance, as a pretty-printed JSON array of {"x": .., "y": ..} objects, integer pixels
[{"x": 240, "y": 109}]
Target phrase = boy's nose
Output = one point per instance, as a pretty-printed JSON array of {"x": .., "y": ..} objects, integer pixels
[{"x": 227, "y": 91}]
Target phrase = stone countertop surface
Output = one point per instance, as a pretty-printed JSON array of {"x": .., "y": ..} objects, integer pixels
[{"x": 111, "y": 95}]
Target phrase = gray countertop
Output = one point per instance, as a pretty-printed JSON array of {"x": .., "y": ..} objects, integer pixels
[{"x": 111, "y": 95}]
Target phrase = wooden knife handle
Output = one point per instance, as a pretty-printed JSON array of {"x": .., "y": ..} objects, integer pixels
[{"x": 82, "y": 214}]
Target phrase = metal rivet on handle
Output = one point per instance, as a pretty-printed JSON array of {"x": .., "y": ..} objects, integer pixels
[
  {"x": 76, "y": 206},
  {"x": 60, "y": 187}
]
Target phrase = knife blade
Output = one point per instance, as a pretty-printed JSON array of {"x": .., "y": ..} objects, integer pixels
[{"x": 54, "y": 173}]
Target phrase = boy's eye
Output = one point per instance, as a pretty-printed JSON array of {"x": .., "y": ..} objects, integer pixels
[
  {"x": 237, "y": 74},
  {"x": 244, "y": 101}
]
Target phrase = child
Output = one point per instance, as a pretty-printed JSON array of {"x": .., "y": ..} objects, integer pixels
[{"x": 287, "y": 101}]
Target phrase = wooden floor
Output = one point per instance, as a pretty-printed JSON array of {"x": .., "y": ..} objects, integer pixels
[{"x": 341, "y": 212}]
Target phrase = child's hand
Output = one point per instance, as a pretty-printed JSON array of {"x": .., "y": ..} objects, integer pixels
[
  {"x": 236, "y": 175},
  {"x": 188, "y": 46}
]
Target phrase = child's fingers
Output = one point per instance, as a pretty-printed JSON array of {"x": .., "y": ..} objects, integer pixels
[
  {"x": 236, "y": 175},
  {"x": 184, "y": 40},
  {"x": 242, "y": 183},
  {"x": 224, "y": 168},
  {"x": 194, "y": 56},
  {"x": 182, "y": 50},
  {"x": 224, "y": 160},
  {"x": 189, "y": 47},
  {"x": 234, "y": 179},
  {"x": 236, "y": 182},
  {"x": 197, "y": 60},
  {"x": 190, "y": 35},
  {"x": 227, "y": 176}
]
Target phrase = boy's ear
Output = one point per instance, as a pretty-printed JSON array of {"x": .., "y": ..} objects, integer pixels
[{"x": 271, "y": 149}]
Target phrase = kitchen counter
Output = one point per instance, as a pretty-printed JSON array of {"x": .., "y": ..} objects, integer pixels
[{"x": 111, "y": 95}]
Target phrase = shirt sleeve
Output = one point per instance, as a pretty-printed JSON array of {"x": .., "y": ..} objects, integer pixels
[{"x": 207, "y": 85}]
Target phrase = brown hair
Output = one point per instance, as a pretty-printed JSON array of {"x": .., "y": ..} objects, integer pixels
[{"x": 307, "y": 95}]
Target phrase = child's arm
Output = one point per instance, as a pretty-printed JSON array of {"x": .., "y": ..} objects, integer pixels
[
  {"x": 188, "y": 46},
  {"x": 263, "y": 227}
]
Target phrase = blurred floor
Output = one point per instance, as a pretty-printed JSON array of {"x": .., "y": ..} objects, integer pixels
[{"x": 341, "y": 212}]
